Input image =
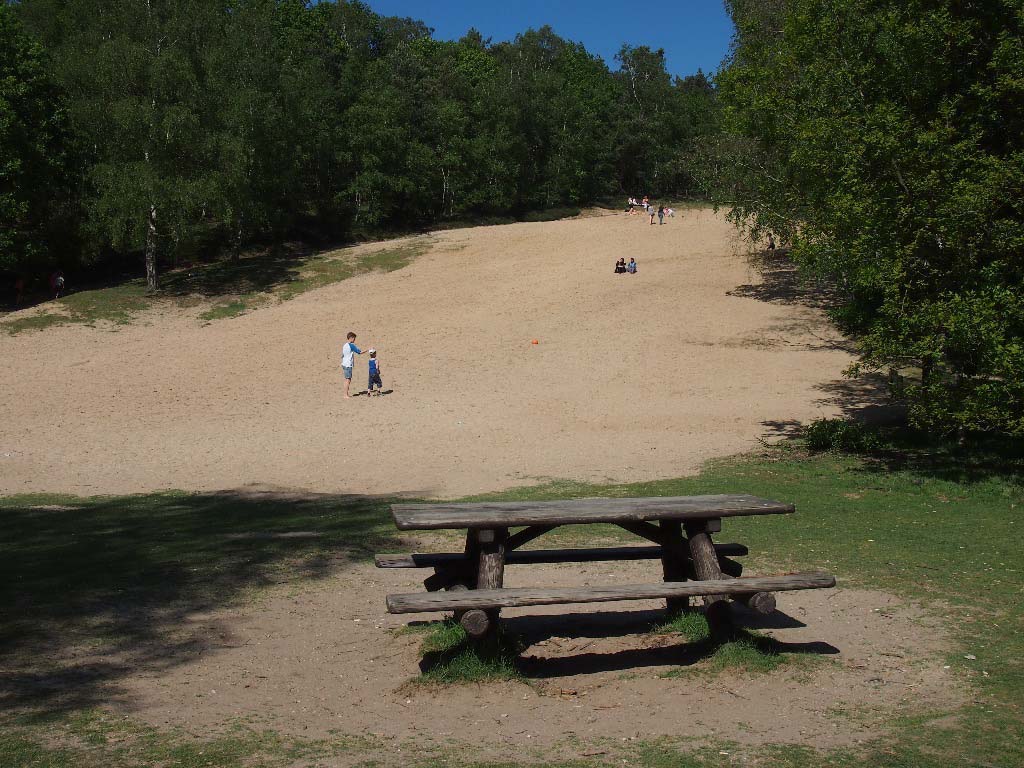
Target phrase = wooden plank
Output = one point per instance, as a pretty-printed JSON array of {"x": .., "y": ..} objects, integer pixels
[
  {"x": 530, "y": 556},
  {"x": 517, "y": 598},
  {"x": 494, "y": 514}
]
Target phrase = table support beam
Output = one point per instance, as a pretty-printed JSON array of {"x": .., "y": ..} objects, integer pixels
[
  {"x": 528, "y": 534},
  {"x": 705, "y": 566},
  {"x": 673, "y": 561},
  {"x": 490, "y": 543}
]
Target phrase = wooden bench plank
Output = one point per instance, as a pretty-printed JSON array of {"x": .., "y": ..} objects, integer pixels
[
  {"x": 529, "y": 556},
  {"x": 498, "y": 514},
  {"x": 518, "y": 598}
]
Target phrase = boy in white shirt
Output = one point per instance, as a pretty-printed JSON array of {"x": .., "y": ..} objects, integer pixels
[{"x": 348, "y": 353}]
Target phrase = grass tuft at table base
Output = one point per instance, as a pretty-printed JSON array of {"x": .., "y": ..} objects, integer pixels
[{"x": 450, "y": 656}]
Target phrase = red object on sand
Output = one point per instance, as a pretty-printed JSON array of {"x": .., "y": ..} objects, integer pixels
[{"x": 535, "y": 342}]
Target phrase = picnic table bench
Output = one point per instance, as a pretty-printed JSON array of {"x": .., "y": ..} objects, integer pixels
[{"x": 679, "y": 527}]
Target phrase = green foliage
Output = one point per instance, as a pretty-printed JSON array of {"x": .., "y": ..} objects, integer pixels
[
  {"x": 884, "y": 141},
  {"x": 34, "y": 168},
  {"x": 842, "y": 435},
  {"x": 204, "y": 128}
]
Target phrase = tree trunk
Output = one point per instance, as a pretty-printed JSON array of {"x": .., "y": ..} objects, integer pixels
[{"x": 151, "y": 250}]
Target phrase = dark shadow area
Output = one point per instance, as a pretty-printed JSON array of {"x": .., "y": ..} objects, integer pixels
[
  {"x": 782, "y": 283},
  {"x": 865, "y": 399},
  {"x": 251, "y": 273},
  {"x": 93, "y": 589},
  {"x": 679, "y": 655},
  {"x": 782, "y": 428},
  {"x": 977, "y": 459},
  {"x": 526, "y": 631}
]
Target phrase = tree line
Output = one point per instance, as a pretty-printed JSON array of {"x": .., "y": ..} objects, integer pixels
[
  {"x": 150, "y": 131},
  {"x": 884, "y": 141}
]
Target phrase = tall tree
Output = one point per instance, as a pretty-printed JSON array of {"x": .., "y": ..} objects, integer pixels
[
  {"x": 34, "y": 162},
  {"x": 885, "y": 140}
]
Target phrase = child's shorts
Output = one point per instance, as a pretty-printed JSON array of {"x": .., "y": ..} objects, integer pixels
[
  {"x": 375, "y": 382},
  {"x": 347, "y": 371}
]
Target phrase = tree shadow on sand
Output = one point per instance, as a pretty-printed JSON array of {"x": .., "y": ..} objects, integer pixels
[
  {"x": 94, "y": 589},
  {"x": 782, "y": 283}
]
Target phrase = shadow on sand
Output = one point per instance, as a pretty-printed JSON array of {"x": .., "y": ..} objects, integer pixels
[
  {"x": 95, "y": 588},
  {"x": 530, "y": 630}
]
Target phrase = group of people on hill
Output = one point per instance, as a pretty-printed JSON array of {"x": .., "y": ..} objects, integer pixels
[
  {"x": 661, "y": 212},
  {"x": 348, "y": 361}
]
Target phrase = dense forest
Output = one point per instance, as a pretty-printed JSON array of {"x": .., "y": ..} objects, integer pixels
[{"x": 148, "y": 132}]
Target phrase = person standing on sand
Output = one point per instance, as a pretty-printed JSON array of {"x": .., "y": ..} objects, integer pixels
[
  {"x": 348, "y": 353},
  {"x": 374, "y": 375},
  {"x": 661, "y": 214},
  {"x": 653, "y": 213}
]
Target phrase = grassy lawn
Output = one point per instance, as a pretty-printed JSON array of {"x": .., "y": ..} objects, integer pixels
[
  {"x": 230, "y": 287},
  {"x": 931, "y": 522}
]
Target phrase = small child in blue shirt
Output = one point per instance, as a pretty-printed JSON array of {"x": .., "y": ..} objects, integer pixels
[{"x": 374, "y": 374}]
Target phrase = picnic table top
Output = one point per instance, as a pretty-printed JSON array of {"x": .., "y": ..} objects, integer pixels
[{"x": 504, "y": 514}]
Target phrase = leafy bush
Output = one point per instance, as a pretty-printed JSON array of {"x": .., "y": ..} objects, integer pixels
[{"x": 841, "y": 435}]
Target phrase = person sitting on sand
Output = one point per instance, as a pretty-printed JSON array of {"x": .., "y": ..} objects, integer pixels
[
  {"x": 620, "y": 267},
  {"x": 631, "y": 267}
]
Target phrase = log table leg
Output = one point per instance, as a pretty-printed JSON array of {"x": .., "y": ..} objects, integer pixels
[
  {"x": 490, "y": 575},
  {"x": 672, "y": 566},
  {"x": 467, "y": 570},
  {"x": 705, "y": 566}
]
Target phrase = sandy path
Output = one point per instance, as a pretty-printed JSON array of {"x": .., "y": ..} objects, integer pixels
[
  {"x": 635, "y": 377},
  {"x": 327, "y": 661}
]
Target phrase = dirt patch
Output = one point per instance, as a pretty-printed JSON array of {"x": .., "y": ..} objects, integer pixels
[
  {"x": 330, "y": 662},
  {"x": 635, "y": 377}
]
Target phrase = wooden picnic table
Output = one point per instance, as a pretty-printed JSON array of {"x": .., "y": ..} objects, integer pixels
[{"x": 679, "y": 527}]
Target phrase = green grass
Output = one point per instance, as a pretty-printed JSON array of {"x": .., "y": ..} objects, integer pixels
[
  {"x": 747, "y": 652},
  {"x": 449, "y": 656},
  {"x": 325, "y": 270},
  {"x": 929, "y": 521},
  {"x": 224, "y": 311},
  {"x": 234, "y": 286},
  {"x": 33, "y": 323},
  {"x": 116, "y": 305}
]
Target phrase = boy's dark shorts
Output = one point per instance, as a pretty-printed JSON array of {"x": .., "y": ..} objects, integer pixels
[{"x": 375, "y": 381}]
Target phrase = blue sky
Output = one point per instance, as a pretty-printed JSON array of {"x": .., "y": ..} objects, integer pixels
[{"x": 694, "y": 33}]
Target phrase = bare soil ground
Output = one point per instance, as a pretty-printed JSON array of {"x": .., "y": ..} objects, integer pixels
[
  {"x": 635, "y": 376},
  {"x": 328, "y": 663}
]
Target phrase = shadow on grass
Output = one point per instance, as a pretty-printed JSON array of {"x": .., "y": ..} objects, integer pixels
[
  {"x": 94, "y": 589},
  {"x": 252, "y": 273},
  {"x": 449, "y": 656}
]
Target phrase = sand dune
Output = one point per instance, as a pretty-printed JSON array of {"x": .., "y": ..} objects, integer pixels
[{"x": 635, "y": 377}]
